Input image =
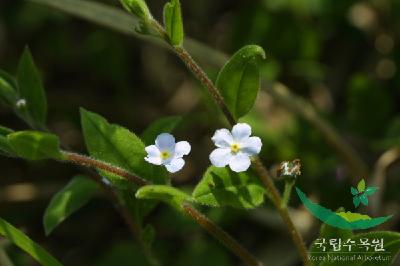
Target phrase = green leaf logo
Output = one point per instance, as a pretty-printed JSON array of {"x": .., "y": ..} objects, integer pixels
[{"x": 361, "y": 193}]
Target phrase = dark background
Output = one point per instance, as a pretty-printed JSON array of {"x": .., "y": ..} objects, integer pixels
[{"x": 342, "y": 56}]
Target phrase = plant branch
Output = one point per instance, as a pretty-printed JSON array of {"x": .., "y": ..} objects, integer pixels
[
  {"x": 282, "y": 209},
  {"x": 201, "y": 219},
  {"x": 221, "y": 235},
  {"x": 135, "y": 229},
  {"x": 260, "y": 169},
  {"x": 96, "y": 164}
]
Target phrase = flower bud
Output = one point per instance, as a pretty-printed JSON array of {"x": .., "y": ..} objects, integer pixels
[{"x": 138, "y": 8}]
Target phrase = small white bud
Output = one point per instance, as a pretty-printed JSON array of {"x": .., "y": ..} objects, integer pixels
[{"x": 20, "y": 103}]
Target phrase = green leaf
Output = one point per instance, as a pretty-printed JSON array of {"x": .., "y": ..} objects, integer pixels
[
  {"x": 361, "y": 186},
  {"x": 239, "y": 79},
  {"x": 167, "y": 194},
  {"x": 173, "y": 22},
  {"x": 5, "y": 146},
  {"x": 8, "y": 89},
  {"x": 364, "y": 199},
  {"x": 31, "y": 90},
  {"x": 370, "y": 191},
  {"x": 138, "y": 8},
  {"x": 71, "y": 198},
  {"x": 220, "y": 186},
  {"x": 356, "y": 201},
  {"x": 391, "y": 244},
  {"x": 26, "y": 244},
  {"x": 163, "y": 125},
  {"x": 120, "y": 147},
  {"x": 34, "y": 145},
  {"x": 354, "y": 191}
]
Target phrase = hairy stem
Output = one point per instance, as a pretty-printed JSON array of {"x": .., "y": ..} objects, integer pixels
[
  {"x": 220, "y": 234},
  {"x": 199, "y": 218},
  {"x": 133, "y": 226},
  {"x": 260, "y": 169},
  {"x": 96, "y": 164},
  {"x": 287, "y": 191},
  {"x": 282, "y": 209}
]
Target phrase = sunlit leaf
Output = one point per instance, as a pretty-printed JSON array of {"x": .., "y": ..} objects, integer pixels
[
  {"x": 26, "y": 244},
  {"x": 173, "y": 22},
  {"x": 34, "y": 145},
  {"x": 239, "y": 79},
  {"x": 68, "y": 200},
  {"x": 221, "y": 187}
]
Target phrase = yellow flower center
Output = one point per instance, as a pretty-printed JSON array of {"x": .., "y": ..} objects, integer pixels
[
  {"x": 235, "y": 148},
  {"x": 165, "y": 155}
]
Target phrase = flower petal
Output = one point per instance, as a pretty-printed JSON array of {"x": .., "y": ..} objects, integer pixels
[
  {"x": 222, "y": 138},
  {"x": 154, "y": 160},
  {"x": 239, "y": 162},
  {"x": 165, "y": 141},
  {"x": 252, "y": 146},
  {"x": 182, "y": 148},
  {"x": 152, "y": 150},
  {"x": 241, "y": 131},
  {"x": 220, "y": 157},
  {"x": 175, "y": 165},
  {"x": 153, "y": 155}
]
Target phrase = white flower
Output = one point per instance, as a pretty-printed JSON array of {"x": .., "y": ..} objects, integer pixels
[
  {"x": 168, "y": 153},
  {"x": 235, "y": 148}
]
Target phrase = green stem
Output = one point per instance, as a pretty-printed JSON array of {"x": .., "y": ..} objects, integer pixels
[
  {"x": 112, "y": 194},
  {"x": 263, "y": 174},
  {"x": 202, "y": 220},
  {"x": 282, "y": 209},
  {"x": 220, "y": 234},
  {"x": 287, "y": 191}
]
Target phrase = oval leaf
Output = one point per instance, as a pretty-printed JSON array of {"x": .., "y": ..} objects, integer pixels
[
  {"x": 31, "y": 90},
  {"x": 71, "y": 198},
  {"x": 356, "y": 201},
  {"x": 120, "y": 147},
  {"x": 361, "y": 186},
  {"x": 220, "y": 186},
  {"x": 364, "y": 199},
  {"x": 354, "y": 191},
  {"x": 26, "y": 244},
  {"x": 167, "y": 194},
  {"x": 239, "y": 80},
  {"x": 370, "y": 191},
  {"x": 34, "y": 145},
  {"x": 173, "y": 22},
  {"x": 163, "y": 125}
]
